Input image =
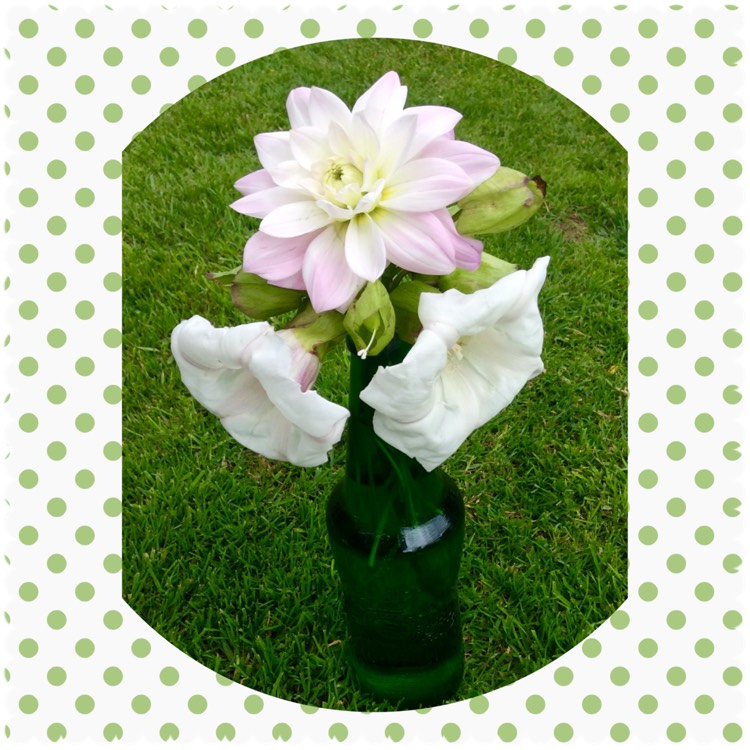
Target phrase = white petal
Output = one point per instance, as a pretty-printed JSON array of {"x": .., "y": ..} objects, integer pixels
[
  {"x": 272, "y": 148},
  {"x": 334, "y": 211},
  {"x": 325, "y": 107},
  {"x": 383, "y": 102},
  {"x": 425, "y": 185},
  {"x": 432, "y": 122},
  {"x": 293, "y": 219},
  {"x": 309, "y": 145},
  {"x": 364, "y": 248},
  {"x": 478, "y": 164},
  {"x": 251, "y": 183},
  {"x": 297, "y": 107},
  {"x": 262, "y": 202},
  {"x": 278, "y": 260},
  {"x": 397, "y": 142}
]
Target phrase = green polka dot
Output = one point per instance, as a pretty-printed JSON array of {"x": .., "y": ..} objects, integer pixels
[
  {"x": 732, "y": 395},
  {"x": 84, "y": 422},
  {"x": 704, "y": 253},
  {"x": 28, "y": 591},
  {"x": 648, "y": 197},
  {"x": 28, "y": 422},
  {"x": 112, "y": 56},
  {"x": 112, "y": 282},
  {"x": 141, "y": 704},
  {"x": 28, "y": 28},
  {"x": 676, "y": 620},
  {"x": 563, "y": 676},
  {"x": 112, "y": 507},
  {"x": 56, "y": 676},
  {"x": 648, "y": 366},
  {"x": 704, "y": 28},
  {"x": 648, "y": 28},
  {"x": 704, "y": 141},
  {"x": 140, "y": 648},
  {"x": 619, "y": 56},
  {"x": 648, "y": 140},
  {"x": 732, "y": 338},
  {"x": 112, "y": 394},
  {"x": 169, "y": 56},
  {"x": 732, "y": 225},
  {"x": 112, "y": 676},
  {"x": 28, "y": 85},
  {"x": 56, "y": 451},
  {"x": 85, "y": 141},
  {"x": 507, "y": 55},
  {"x": 28, "y": 141},
  {"x": 196, "y": 82},
  {"x": 676, "y": 507},
  {"x": 28, "y": 648},
  {"x": 84, "y": 535},
  {"x": 84, "y": 28},
  {"x": 535, "y": 704},
  {"x": 591, "y": 85},
  {"x": 648, "y": 648},
  {"x": 28, "y": 704},
  {"x": 676, "y": 225},
  {"x": 676, "y": 281},
  {"x": 648, "y": 85},
  {"x": 394, "y": 732},
  {"x": 112, "y": 338},
  {"x": 732, "y": 169},
  {"x": 253, "y": 704},
  {"x": 84, "y": 253},
  {"x": 85, "y": 591},
  {"x": 676, "y": 113},
  {"x": 704, "y": 648},
  {"x": 56, "y": 169},
  {"x": 676, "y": 451},
  {"x": 732, "y": 619},
  {"x": 225, "y": 57},
  {"x": 647, "y": 253},
  {"x": 112, "y": 169},
  {"x": 704, "y": 591},
  {"x": 619, "y": 732},
  {"x": 732, "y": 112},
  {"x": 56, "y": 225},
  {"x": 732, "y": 732},
  {"x": 169, "y": 676},
  {"x": 648, "y": 535},
  {"x": 704, "y": 535},
  {"x": 591, "y": 647},
  {"x": 676, "y": 676},
  {"x": 479, "y": 28},
  {"x": 254, "y": 28},
  {"x": 112, "y": 620},
  {"x": 591, "y": 28},
  {"x": 676, "y": 732},
  {"x": 422, "y": 28},
  {"x": 535, "y": 28},
  {"x": 84, "y": 84},
  {"x": 84, "y": 704},
  {"x": 112, "y": 112},
  {"x": 731, "y": 563},
  {"x": 591, "y": 704},
  {"x": 507, "y": 732},
  {"x": 28, "y": 197},
  {"x": 197, "y": 28},
  {"x": 563, "y": 732},
  {"x": 56, "y": 732},
  {"x": 704, "y": 479},
  {"x": 704, "y": 423},
  {"x": 141, "y": 84},
  {"x": 647, "y": 704},
  {"x": 619, "y": 676},
  {"x": 141, "y": 28},
  {"x": 56, "y": 507},
  {"x": 197, "y": 704},
  {"x": 648, "y": 591},
  {"x": 479, "y": 704},
  {"x": 619, "y": 112},
  {"x": 112, "y": 563},
  {"x": 84, "y": 366},
  {"x": 563, "y": 56},
  {"x": 169, "y": 731},
  {"x": 310, "y": 28},
  {"x": 84, "y": 197},
  {"x": 56, "y": 113},
  {"x": 676, "y": 563},
  {"x": 676, "y": 338},
  {"x": 648, "y": 310},
  {"x": 85, "y": 310},
  {"x": 28, "y": 310},
  {"x": 704, "y": 704},
  {"x": 676, "y": 394},
  {"x": 85, "y": 479},
  {"x": 28, "y": 253},
  {"x": 84, "y": 648},
  {"x": 704, "y": 310},
  {"x": 732, "y": 676},
  {"x": 28, "y": 479},
  {"x": 704, "y": 366}
]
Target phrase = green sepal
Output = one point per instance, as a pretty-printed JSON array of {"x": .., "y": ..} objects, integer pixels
[
  {"x": 405, "y": 300},
  {"x": 370, "y": 320},
  {"x": 318, "y": 332},
  {"x": 504, "y": 201},
  {"x": 258, "y": 299},
  {"x": 491, "y": 269}
]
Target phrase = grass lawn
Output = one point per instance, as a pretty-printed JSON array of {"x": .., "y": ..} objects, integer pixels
[{"x": 225, "y": 553}]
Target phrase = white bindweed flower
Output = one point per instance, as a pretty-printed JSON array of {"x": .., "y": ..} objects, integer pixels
[
  {"x": 345, "y": 192},
  {"x": 473, "y": 356},
  {"x": 257, "y": 381}
]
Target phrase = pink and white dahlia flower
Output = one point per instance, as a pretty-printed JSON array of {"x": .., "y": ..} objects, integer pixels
[{"x": 344, "y": 192}]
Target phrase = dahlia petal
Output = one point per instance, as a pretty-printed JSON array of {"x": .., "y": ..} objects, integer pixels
[
  {"x": 364, "y": 248},
  {"x": 278, "y": 260},
  {"x": 273, "y": 148},
  {"x": 328, "y": 279},
  {"x": 416, "y": 242},
  {"x": 467, "y": 250},
  {"x": 334, "y": 211},
  {"x": 383, "y": 102},
  {"x": 425, "y": 185},
  {"x": 251, "y": 183},
  {"x": 261, "y": 203},
  {"x": 432, "y": 122},
  {"x": 293, "y": 219},
  {"x": 308, "y": 146},
  {"x": 324, "y": 107},
  {"x": 477, "y": 163},
  {"x": 397, "y": 141},
  {"x": 297, "y": 107}
]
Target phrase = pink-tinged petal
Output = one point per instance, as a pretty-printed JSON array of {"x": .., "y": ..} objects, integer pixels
[
  {"x": 425, "y": 185},
  {"x": 260, "y": 204},
  {"x": 308, "y": 146},
  {"x": 477, "y": 163},
  {"x": 416, "y": 242},
  {"x": 339, "y": 141},
  {"x": 290, "y": 174},
  {"x": 294, "y": 219},
  {"x": 334, "y": 211},
  {"x": 432, "y": 122},
  {"x": 272, "y": 148},
  {"x": 297, "y": 107},
  {"x": 328, "y": 279},
  {"x": 325, "y": 107},
  {"x": 383, "y": 102},
  {"x": 251, "y": 183},
  {"x": 364, "y": 248},
  {"x": 397, "y": 142},
  {"x": 467, "y": 250},
  {"x": 365, "y": 141},
  {"x": 277, "y": 260}
]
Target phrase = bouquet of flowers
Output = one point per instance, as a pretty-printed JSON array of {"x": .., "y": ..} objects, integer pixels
[{"x": 368, "y": 223}]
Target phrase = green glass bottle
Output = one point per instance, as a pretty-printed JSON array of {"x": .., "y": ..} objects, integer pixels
[{"x": 396, "y": 532}]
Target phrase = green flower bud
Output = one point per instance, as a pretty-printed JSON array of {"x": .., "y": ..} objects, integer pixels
[
  {"x": 405, "y": 300},
  {"x": 370, "y": 320},
  {"x": 257, "y": 298},
  {"x": 491, "y": 269},
  {"x": 317, "y": 332},
  {"x": 506, "y": 200}
]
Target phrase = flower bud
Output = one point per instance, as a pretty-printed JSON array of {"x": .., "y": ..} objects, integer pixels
[
  {"x": 405, "y": 300},
  {"x": 370, "y": 320},
  {"x": 506, "y": 200},
  {"x": 317, "y": 332},
  {"x": 491, "y": 269},
  {"x": 257, "y": 298}
]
